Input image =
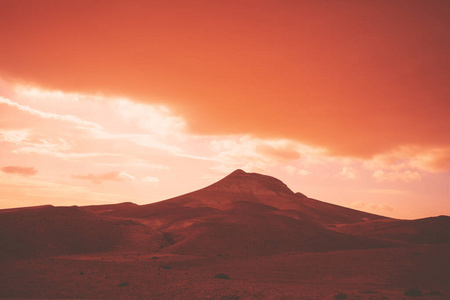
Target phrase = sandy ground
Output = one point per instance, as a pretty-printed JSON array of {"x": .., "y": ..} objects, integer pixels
[{"x": 352, "y": 274}]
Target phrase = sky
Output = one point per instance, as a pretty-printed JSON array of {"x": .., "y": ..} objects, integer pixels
[{"x": 113, "y": 101}]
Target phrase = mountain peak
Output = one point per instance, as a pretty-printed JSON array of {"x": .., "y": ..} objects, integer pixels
[
  {"x": 242, "y": 191},
  {"x": 240, "y": 181},
  {"x": 237, "y": 172}
]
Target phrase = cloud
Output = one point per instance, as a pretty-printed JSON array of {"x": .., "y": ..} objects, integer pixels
[
  {"x": 290, "y": 169},
  {"x": 390, "y": 192},
  {"x": 23, "y": 191},
  {"x": 44, "y": 147},
  {"x": 24, "y": 171},
  {"x": 99, "y": 178},
  {"x": 432, "y": 160},
  {"x": 137, "y": 163},
  {"x": 73, "y": 136},
  {"x": 408, "y": 163},
  {"x": 125, "y": 176},
  {"x": 348, "y": 172},
  {"x": 429, "y": 159},
  {"x": 65, "y": 118},
  {"x": 256, "y": 155},
  {"x": 303, "y": 172},
  {"x": 13, "y": 136},
  {"x": 141, "y": 139},
  {"x": 294, "y": 170},
  {"x": 406, "y": 176},
  {"x": 256, "y": 74},
  {"x": 279, "y": 152},
  {"x": 155, "y": 119},
  {"x": 150, "y": 179},
  {"x": 372, "y": 206}
]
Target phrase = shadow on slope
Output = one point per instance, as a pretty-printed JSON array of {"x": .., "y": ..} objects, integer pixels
[
  {"x": 47, "y": 231},
  {"x": 254, "y": 229}
]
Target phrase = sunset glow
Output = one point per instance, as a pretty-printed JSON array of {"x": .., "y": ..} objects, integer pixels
[{"x": 114, "y": 101}]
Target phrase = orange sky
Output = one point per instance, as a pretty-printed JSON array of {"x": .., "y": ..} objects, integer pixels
[{"x": 350, "y": 97}]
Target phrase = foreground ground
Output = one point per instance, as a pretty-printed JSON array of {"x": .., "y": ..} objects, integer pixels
[{"x": 352, "y": 274}]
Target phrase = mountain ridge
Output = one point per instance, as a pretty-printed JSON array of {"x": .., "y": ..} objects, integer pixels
[
  {"x": 241, "y": 214},
  {"x": 240, "y": 186}
]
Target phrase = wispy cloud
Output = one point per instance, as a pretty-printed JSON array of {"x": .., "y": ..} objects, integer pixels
[
  {"x": 29, "y": 191},
  {"x": 389, "y": 192},
  {"x": 99, "y": 178},
  {"x": 372, "y": 206},
  {"x": 155, "y": 119},
  {"x": 65, "y": 118},
  {"x": 255, "y": 154},
  {"x": 296, "y": 171},
  {"x": 424, "y": 159},
  {"x": 150, "y": 179},
  {"x": 406, "y": 176},
  {"x": 13, "y": 136},
  {"x": 348, "y": 172}
]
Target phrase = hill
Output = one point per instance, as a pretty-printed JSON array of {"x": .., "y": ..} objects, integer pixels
[{"x": 242, "y": 214}]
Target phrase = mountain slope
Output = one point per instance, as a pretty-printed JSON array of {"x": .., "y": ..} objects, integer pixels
[
  {"x": 249, "y": 213},
  {"x": 48, "y": 231},
  {"x": 435, "y": 230},
  {"x": 260, "y": 233}
]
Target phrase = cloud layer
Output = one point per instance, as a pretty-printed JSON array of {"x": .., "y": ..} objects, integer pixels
[{"x": 357, "y": 79}]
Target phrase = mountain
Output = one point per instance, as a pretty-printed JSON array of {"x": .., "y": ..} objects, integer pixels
[
  {"x": 251, "y": 192},
  {"x": 249, "y": 213},
  {"x": 242, "y": 214}
]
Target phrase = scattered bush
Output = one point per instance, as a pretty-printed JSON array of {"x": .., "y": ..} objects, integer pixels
[
  {"x": 222, "y": 276},
  {"x": 434, "y": 293},
  {"x": 166, "y": 267},
  {"x": 124, "y": 283},
  {"x": 341, "y": 296},
  {"x": 155, "y": 257},
  {"x": 414, "y": 292}
]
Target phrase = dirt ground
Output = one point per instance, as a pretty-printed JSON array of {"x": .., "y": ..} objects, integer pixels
[{"x": 353, "y": 274}]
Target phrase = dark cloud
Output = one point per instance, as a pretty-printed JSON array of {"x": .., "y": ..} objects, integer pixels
[{"x": 358, "y": 79}]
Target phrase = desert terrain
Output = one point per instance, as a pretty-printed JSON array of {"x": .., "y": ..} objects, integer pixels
[{"x": 247, "y": 236}]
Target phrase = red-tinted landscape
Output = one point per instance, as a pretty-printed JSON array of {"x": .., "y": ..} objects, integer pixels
[
  {"x": 247, "y": 236},
  {"x": 108, "y": 107}
]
